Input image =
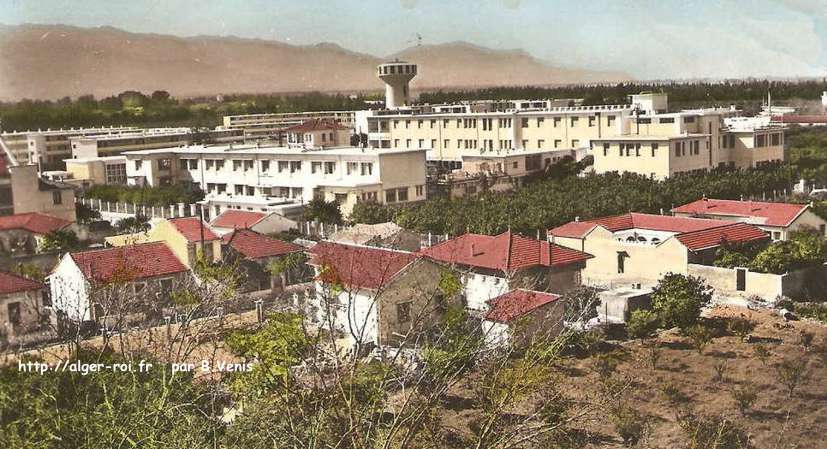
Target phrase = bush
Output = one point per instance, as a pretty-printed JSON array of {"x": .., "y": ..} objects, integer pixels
[
  {"x": 631, "y": 425},
  {"x": 581, "y": 304},
  {"x": 642, "y": 324},
  {"x": 700, "y": 336},
  {"x": 674, "y": 395},
  {"x": 713, "y": 433},
  {"x": 745, "y": 396},
  {"x": 60, "y": 240},
  {"x": 678, "y": 299},
  {"x": 791, "y": 374},
  {"x": 762, "y": 353},
  {"x": 740, "y": 327}
]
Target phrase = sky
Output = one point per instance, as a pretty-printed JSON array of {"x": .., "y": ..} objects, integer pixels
[{"x": 647, "y": 39}]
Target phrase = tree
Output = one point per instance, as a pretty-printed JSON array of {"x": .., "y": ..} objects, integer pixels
[
  {"x": 678, "y": 299},
  {"x": 322, "y": 211},
  {"x": 60, "y": 240},
  {"x": 581, "y": 303},
  {"x": 85, "y": 214},
  {"x": 791, "y": 373},
  {"x": 160, "y": 96},
  {"x": 133, "y": 225},
  {"x": 745, "y": 396},
  {"x": 700, "y": 336}
]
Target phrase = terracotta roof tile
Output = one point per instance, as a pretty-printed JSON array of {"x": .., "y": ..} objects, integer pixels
[
  {"x": 504, "y": 252},
  {"x": 770, "y": 214},
  {"x": 12, "y": 283},
  {"x": 732, "y": 233},
  {"x": 359, "y": 266},
  {"x": 254, "y": 245},
  {"x": 517, "y": 303},
  {"x": 190, "y": 228},
  {"x": 33, "y": 222},
  {"x": 237, "y": 219},
  {"x": 140, "y": 261}
]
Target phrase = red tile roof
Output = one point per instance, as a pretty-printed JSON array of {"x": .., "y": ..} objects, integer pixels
[
  {"x": 732, "y": 233},
  {"x": 770, "y": 214},
  {"x": 12, "y": 283},
  {"x": 359, "y": 266},
  {"x": 517, "y": 303},
  {"x": 635, "y": 220},
  {"x": 254, "y": 245},
  {"x": 33, "y": 222},
  {"x": 190, "y": 228},
  {"x": 237, "y": 219},
  {"x": 140, "y": 261},
  {"x": 316, "y": 125},
  {"x": 504, "y": 252}
]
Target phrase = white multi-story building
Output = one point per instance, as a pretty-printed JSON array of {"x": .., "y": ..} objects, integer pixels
[
  {"x": 113, "y": 144},
  {"x": 271, "y": 125},
  {"x": 261, "y": 177},
  {"x": 48, "y": 148}
]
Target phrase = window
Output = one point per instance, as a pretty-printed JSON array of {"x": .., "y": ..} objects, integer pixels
[
  {"x": 407, "y": 143},
  {"x": 248, "y": 165},
  {"x": 420, "y": 190},
  {"x": 265, "y": 166},
  {"x": 446, "y": 143},
  {"x": 776, "y": 235},
  {"x": 575, "y": 143},
  {"x": 390, "y": 196},
  {"x": 775, "y": 139},
  {"x": 637, "y": 149},
  {"x": 352, "y": 167},
  {"x": 525, "y": 143},
  {"x": 421, "y": 143},
  {"x": 654, "y": 149},
  {"x": 557, "y": 143},
  {"x": 166, "y": 285},
  {"x": 524, "y": 123},
  {"x": 283, "y": 166},
  {"x": 677, "y": 149},
  {"x": 13, "y": 310},
  {"x": 340, "y": 198},
  {"x": 315, "y": 167},
  {"x": 396, "y": 143},
  {"x": 219, "y": 165},
  {"x": 138, "y": 164},
  {"x": 574, "y": 121},
  {"x": 556, "y": 121},
  {"x": 209, "y": 164},
  {"x": 621, "y": 262},
  {"x": 295, "y": 166},
  {"x": 329, "y": 168},
  {"x": 610, "y": 120},
  {"x": 591, "y": 121},
  {"x": 402, "y": 194},
  {"x": 689, "y": 119},
  {"x": 605, "y": 149},
  {"x": 236, "y": 165},
  {"x": 251, "y": 191},
  {"x": 433, "y": 144},
  {"x": 541, "y": 143},
  {"x": 433, "y": 123},
  {"x": 407, "y": 124},
  {"x": 57, "y": 198},
  {"x": 419, "y": 124},
  {"x": 403, "y": 312},
  {"x": 239, "y": 190},
  {"x": 666, "y": 120},
  {"x": 395, "y": 124},
  {"x": 165, "y": 164},
  {"x": 193, "y": 164},
  {"x": 184, "y": 163},
  {"x": 540, "y": 121},
  {"x": 366, "y": 168}
]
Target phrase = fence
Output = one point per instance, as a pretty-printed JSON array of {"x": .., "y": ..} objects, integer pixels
[{"x": 112, "y": 211}]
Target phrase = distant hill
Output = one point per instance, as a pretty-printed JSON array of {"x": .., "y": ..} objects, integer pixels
[{"x": 52, "y": 61}]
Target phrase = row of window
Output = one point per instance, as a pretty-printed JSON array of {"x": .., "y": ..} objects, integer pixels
[
  {"x": 353, "y": 168},
  {"x": 488, "y": 124}
]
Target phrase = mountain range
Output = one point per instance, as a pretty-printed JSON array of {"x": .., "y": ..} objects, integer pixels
[{"x": 53, "y": 61}]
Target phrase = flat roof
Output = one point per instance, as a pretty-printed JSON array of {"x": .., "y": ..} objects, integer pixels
[
  {"x": 626, "y": 137},
  {"x": 195, "y": 150}
]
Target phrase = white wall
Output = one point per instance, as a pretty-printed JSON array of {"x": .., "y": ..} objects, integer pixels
[
  {"x": 480, "y": 288},
  {"x": 70, "y": 291}
]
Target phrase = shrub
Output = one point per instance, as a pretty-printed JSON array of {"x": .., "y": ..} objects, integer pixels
[
  {"x": 678, "y": 299},
  {"x": 792, "y": 373},
  {"x": 631, "y": 425},
  {"x": 700, "y": 336},
  {"x": 674, "y": 395},
  {"x": 745, "y": 396},
  {"x": 60, "y": 240},
  {"x": 713, "y": 433},
  {"x": 740, "y": 327},
  {"x": 581, "y": 304},
  {"x": 806, "y": 339},
  {"x": 642, "y": 324},
  {"x": 762, "y": 353},
  {"x": 720, "y": 370}
]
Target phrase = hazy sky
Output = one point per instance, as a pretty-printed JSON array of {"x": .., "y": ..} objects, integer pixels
[{"x": 645, "y": 38}]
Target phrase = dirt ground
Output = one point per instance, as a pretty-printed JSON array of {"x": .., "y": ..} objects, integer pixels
[{"x": 774, "y": 421}]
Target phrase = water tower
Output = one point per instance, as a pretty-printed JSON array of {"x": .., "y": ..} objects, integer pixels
[{"x": 396, "y": 75}]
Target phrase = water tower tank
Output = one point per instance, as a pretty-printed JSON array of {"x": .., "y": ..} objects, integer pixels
[{"x": 396, "y": 75}]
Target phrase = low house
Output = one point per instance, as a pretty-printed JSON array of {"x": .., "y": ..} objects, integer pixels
[
  {"x": 261, "y": 222},
  {"x": 520, "y": 314},
  {"x": 494, "y": 265},
  {"x": 146, "y": 270},
  {"x": 23, "y": 308},
  {"x": 254, "y": 252},
  {"x": 385, "y": 235},
  {"x": 778, "y": 219},
  {"x": 377, "y": 296},
  {"x": 22, "y": 234},
  {"x": 640, "y": 248},
  {"x": 185, "y": 236}
]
